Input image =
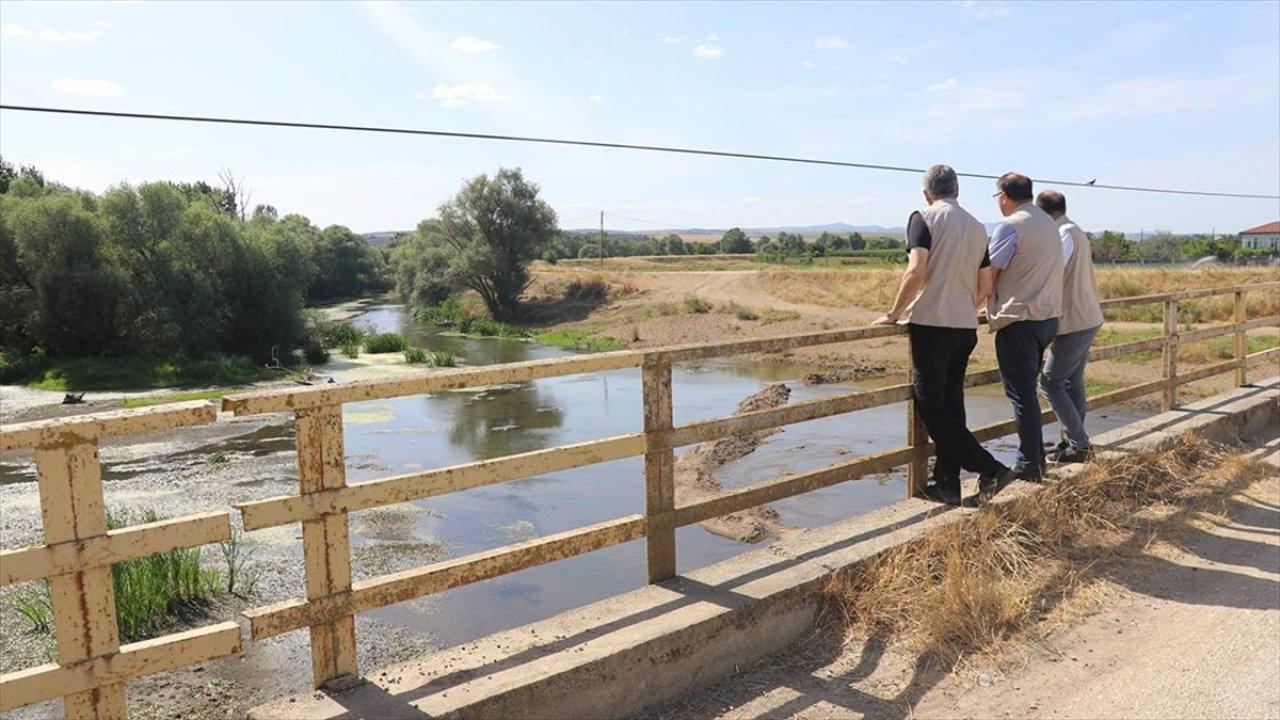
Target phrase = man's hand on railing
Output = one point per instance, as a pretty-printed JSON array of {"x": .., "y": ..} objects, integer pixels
[{"x": 888, "y": 318}]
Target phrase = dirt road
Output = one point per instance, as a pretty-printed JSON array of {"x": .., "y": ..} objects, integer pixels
[{"x": 1192, "y": 632}]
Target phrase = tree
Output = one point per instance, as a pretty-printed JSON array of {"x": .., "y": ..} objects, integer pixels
[
  {"x": 1162, "y": 247},
  {"x": 494, "y": 227},
  {"x": 884, "y": 243},
  {"x": 735, "y": 241},
  {"x": 856, "y": 242},
  {"x": 1111, "y": 247}
]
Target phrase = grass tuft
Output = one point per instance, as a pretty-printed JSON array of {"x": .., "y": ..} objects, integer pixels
[
  {"x": 153, "y": 592},
  {"x": 969, "y": 586},
  {"x": 385, "y": 343}
]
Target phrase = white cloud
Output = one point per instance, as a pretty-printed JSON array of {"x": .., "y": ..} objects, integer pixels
[
  {"x": 1161, "y": 96},
  {"x": 52, "y": 36},
  {"x": 673, "y": 39},
  {"x": 468, "y": 44},
  {"x": 709, "y": 48},
  {"x": 947, "y": 84},
  {"x": 462, "y": 95},
  {"x": 91, "y": 87},
  {"x": 831, "y": 42},
  {"x": 595, "y": 99},
  {"x": 808, "y": 64}
]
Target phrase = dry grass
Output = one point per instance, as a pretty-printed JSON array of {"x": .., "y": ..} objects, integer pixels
[
  {"x": 876, "y": 289},
  {"x": 1126, "y": 282},
  {"x": 981, "y": 581}
]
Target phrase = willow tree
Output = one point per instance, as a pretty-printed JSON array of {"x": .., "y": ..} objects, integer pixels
[{"x": 493, "y": 228}]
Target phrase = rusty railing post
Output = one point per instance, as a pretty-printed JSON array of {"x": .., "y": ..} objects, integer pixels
[
  {"x": 659, "y": 468},
  {"x": 918, "y": 439},
  {"x": 1241, "y": 345},
  {"x": 84, "y": 603},
  {"x": 1169, "y": 399},
  {"x": 326, "y": 542}
]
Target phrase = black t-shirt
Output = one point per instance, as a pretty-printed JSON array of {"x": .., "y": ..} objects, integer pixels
[{"x": 918, "y": 236}]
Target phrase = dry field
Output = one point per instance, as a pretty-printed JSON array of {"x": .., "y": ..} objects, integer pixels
[{"x": 715, "y": 299}]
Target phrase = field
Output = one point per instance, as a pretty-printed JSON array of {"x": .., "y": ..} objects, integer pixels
[{"x": 652, "y": 301}]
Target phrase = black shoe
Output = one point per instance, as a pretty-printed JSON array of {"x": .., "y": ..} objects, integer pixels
[
  {"x": 1074, "y": 455},
  {"x": 1028, "y": 473},
  {"x": 990, "y": 485},
  {"x": 1054, "y": 451},
  {"x": 945, "y": 494}
]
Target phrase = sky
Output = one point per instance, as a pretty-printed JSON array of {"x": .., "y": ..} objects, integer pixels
[{"x": 1181, "y": 95}]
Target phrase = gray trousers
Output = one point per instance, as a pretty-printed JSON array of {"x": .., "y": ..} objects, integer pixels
[{"x": 1063, "y": 382}]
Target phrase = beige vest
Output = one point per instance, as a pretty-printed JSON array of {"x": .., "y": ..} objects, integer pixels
[
  {"x": 1080, "y": 308},
  {"x": 950, "y": 292},
  {"x": 1031, "y": 287}
]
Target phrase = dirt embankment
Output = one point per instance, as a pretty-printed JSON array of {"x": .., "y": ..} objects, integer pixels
[{"x": 695, "y": 474}]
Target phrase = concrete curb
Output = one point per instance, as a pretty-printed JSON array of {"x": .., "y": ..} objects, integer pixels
[{"x": 615, "y": 657}]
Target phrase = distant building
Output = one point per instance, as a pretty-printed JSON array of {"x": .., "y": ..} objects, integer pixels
[{"x": 1263, "y": 237}]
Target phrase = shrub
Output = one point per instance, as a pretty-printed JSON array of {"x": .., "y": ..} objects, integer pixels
[
  {"x": 337, "y": 334},
  {"x": 351, "y": 350},
  {"x": 592, "y": 288},
  {"x": 385, "y": 343},
  {"x": 443, "y": 359},
  {"x": 415, "y": 354},
  {"x": 695, "y": 304}
]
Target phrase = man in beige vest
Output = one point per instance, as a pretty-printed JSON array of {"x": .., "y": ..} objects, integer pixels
[
  {"x": 1026, "y": 257},
  {"x": 947, "y": 275},
  {"x": 1063, "y": 378}
]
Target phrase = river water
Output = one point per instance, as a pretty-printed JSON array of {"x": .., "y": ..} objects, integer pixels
[{"x": 386, "y": 437}]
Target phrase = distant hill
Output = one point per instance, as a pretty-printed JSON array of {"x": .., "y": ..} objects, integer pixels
[{"x": 382, "y": 238}]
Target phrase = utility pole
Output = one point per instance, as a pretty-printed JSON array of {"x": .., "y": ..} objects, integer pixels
[{"x": 602, "y": 240}]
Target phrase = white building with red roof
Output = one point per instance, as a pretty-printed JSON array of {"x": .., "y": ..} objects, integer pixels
[{"x": 1263, "y": 237}]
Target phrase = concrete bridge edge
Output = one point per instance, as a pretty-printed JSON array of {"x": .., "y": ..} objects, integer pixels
[{"x": 616, "y": 657}]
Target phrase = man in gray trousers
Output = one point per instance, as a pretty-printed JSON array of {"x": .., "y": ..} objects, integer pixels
[{"x": 1063, "y": 378}]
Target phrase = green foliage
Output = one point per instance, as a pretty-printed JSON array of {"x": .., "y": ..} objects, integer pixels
[
  {"x": 443, "y": 359},
  {"x": 37, "y": 609},
  {"x": 480, "y": 326},
  {"x": 735, "y": 241},
  {"x": 142, "y": 373},
  {"x": 237, "y": 553},
  {"x": 446, "y": 312},
  {"x": 385, "y": 343},
  {"x": 415, "y": 354},
  {"x": 695, "y": 304},
  {"x": 169, "y": 270},
  {"x": 351, "y": 349},
  {"x": 1112, "y": 247},
  {"x": 483, "y": 239},
  {"x": 574, "y": 340},
  {"x": 884, "y": 243},
  {"x": 152, "y": 592}
]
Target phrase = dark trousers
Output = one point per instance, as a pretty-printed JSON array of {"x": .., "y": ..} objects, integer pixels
[
  {"x": 939, "y": 358},
  {"x": 1020, "y": 350}
]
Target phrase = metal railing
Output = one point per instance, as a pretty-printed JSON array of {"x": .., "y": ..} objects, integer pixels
[{"x": 78, "y": 550}]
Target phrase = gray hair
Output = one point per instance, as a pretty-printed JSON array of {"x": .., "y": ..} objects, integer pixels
[{"x": 941, "y": 182}]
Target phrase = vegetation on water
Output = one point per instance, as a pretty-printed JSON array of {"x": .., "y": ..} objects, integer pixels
[
  {"x": 418, "y": 355},
  {"x": 148, "y": 400},
  {"x": 385, "y": 343}
]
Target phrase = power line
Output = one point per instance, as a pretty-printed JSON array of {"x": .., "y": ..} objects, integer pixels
[{"x": 594, "y": 143}]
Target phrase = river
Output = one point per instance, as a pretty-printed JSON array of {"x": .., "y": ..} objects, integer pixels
[{"x": 386, "y": 437}]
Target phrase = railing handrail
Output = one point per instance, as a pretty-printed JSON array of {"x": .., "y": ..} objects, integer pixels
[
  {"x": 287, "y": 399},
  {"x": 78, "y": 550}
]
